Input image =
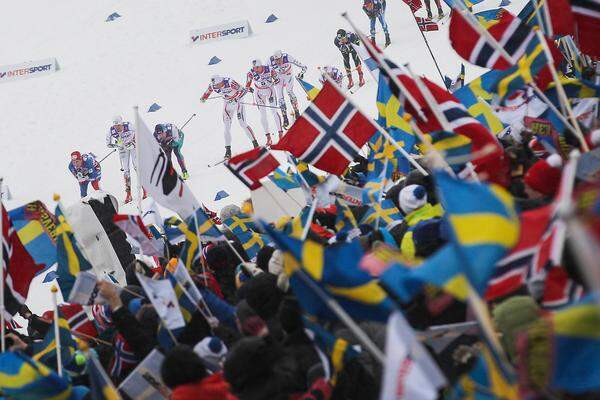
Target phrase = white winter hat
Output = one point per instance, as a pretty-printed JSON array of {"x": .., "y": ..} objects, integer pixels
[
  {"x": 212, "y": 351},
  {"x": 411, "y": 198}
]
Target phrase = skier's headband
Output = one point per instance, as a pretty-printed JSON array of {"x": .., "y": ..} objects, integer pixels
[{"x": 75, "y": 156}]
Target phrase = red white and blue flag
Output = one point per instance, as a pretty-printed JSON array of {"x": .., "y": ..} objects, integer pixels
[
  {"x": 250, "y": 167},
  {"x": 426, "y": 25},
  {"x": 138, "y": 234},
  {"x": 330, "y": 132},
  {"x": 78, "y": 320}
]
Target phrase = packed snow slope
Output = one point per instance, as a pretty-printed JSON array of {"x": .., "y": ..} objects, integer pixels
[{"x": 144, "y": 57}]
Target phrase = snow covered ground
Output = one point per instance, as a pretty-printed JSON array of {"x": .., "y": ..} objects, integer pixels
[{"x": 144, "y": 57}]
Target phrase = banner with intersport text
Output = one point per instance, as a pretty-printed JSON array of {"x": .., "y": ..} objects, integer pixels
[
  {"x": 233, "y": 30},
  {"x": 28, "y": 69}
]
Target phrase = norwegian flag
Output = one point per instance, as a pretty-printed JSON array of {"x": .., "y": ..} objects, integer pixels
[
  {"x": 512, "y": 271},
  {"x": 426, "y": 25},
  {"x": 18, "y": 268},
  {"x": 587, "y": 24},
  {"x": 250, "y": 167},
  {"x": 78, "y": 320},
  {"x": 330, "y": 132},
  {"x": 134, "y": 227},
  {"x": 212, "y": 215},
  {"x": 510, "y": 32},
  {"x": 124, "y": 358},
  {"x": 559, "y": 289},
  {"x": 492, "y": 167},
  {"x": 102, "y": 316}
]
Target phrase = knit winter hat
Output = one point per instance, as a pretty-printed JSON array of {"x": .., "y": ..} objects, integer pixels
[
  {"x": 544, "y": 175},
  {"x": 411, "y": 198},
  {"x": 212, "y": 351}
]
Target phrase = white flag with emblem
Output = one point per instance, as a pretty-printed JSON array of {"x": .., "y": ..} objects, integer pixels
[{"x": 163, "y": 298}]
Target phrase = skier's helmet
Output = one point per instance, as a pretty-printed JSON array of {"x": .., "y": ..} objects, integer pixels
[
  {"x": 278, "y": 54},
  {"x": 117, "y": 120},
  {"x": 159, "y": 128},
  {"x": 76, "y": 156},
  {"x": 216, "y": 80},
  {"x": 257, "y": 62},
  {"x": 341, "y": 33}
]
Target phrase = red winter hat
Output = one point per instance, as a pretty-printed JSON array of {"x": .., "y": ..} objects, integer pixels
[{"x": 544, "y": 175}]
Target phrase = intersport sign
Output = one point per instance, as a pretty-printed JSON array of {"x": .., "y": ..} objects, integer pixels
[
  {"x": 27, "y": 70},
  {"x": 233, "y": 30}
]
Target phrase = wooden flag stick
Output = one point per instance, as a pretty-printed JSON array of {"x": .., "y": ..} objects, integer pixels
[
  {"x": 59, "y": 367},
  {"x": 2, "y": 306}
]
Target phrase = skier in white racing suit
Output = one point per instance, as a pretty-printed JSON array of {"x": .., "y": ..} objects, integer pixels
[
  {"x": 334, "y": 73},
  {"x": 232, "y": 93},
  {"x": 121, "y": 136},
  {"x": 264, "y": 77},
  {"x": 282, "y": 64}
]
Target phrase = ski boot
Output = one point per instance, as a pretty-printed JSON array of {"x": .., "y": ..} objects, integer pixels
[
  {"x": 280, "y": 134},
  {"x": 269, "y": 140},
  {"x": 185, "y": 175},
  {"x": 286, "y": 122},
  {"x": 361, "y": 78},
  {"x": 128, "y": 197},
  {"x": 255, "y": 143},
  {"x": 144, "y": 193},
  {"x": 350, "y": 81},
  {"x": 296, "y": 112},
  {"x": 127, "y": 189},
  {"x": 387, "y": 40},
  {"x": 440, "y": 13},
  {"x": 373, "y": 41},
  {"x": 429, "y": 16},
  {"x": 227, "y": 152}
]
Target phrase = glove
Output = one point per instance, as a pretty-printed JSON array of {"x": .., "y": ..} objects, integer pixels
[
  {"x": 250, "y": 89},
  {"x": 111, "y": 145},
  {"x": 301, "y": 74},
  {"x": 203, "y": 100},
  {"x": 276, "y": 81}
]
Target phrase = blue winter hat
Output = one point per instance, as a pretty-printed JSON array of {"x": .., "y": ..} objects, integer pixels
[{"x": 134, "y": 305}]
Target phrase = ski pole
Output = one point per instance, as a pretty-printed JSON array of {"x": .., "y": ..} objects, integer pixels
[
  {"x": 259, "y": 105},
  {"x": 189, "y": 119},
  {"x": 106, "y": 156}
]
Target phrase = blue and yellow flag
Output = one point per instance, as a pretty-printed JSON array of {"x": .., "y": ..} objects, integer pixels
[
  {"x": 252, "y": 242},
  {"x": 68, "y": 255},
  {"x": 483, "y": 222},
  {"x": 26, "y": 379},
  {"x": 467, "y": 3},
  {"x": 186, "y": 305},
  {"x": 284, "y": 180},
  {"x": 485, "y": 381},
  {"x": 452, "y": 145},
  {"x": 335, "y": 271},
  {"x": 574, "y": 89},
  {"x": 45, "y": 351},
  {"x": 310, "y": 177},
  {"x": 386, "y": 213},
  {"x": 338, "y": 350},
  {"x": 489, "y": 18},
  {"x": 344, "y": 220},
  {"x": 196, "y": 228},
  {"x": 101, "y": 387},
  {"x": 240, "y": 223},
  {"x": 476, "y": 97},
  {"x": 311, "y": 91},
  {"x": 36, "y": 227}
]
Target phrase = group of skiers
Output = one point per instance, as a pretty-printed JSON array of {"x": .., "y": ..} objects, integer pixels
[{"x": 267, "y": 81}]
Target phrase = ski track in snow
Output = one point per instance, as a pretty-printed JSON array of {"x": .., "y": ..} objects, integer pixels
[{"x": 144, "y": 57}]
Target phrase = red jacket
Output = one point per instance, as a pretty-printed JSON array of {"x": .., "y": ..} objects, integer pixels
[{"x": 212, "y": 387}]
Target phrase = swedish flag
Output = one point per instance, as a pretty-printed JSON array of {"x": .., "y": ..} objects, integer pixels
[
  {"x": 335, "y": 270},
  {"x": 311, "y": 91},
  {"x": 475, "y": 97},
  {"x": 252, "y": 242},
  {"x": 197, "y": 227},
  {"x": 489, "y": 18},
  {"x": 373, "y": 189},
  {"x": 284, "y": 180},
  {"x": 240, "y": 223},
  {"x": 26, "y": 379},
  {"x": 45, "y": 351},
  {"x": 485, "y": 381},
  {"x": 344, "y": 220},
  {"x": 101, "y": 387},
  {"x": 452, "y": 145},
  {"x": 68, "y": 255},
  {"x": 386, "y": 213},
  {"x": 310, "y": 177},
  {"x": 484, "y": 224},
  {"x": 186, "y": 305},
  {"x": 574, "y": 89},
  {"x": 338, "y": 350}
]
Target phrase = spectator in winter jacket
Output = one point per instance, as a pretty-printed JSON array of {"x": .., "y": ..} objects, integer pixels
[
  {"x": 184, "y": 372},
  {"x": 543, "y": 178}
]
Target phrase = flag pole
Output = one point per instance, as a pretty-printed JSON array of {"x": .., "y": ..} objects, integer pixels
[
  {"x": 561, "y": 92},
  {"x": 384, "y": 132},
  {"x": 59, "y": 367},
  {"x": 383, "y": 64},
  {"x": 200, "y": 249},
  {"x": 311, "y": 214},
  {"x": 344, "y": 317},
  {"x": 383, "y": 183},
  {"x": 2, "y": 306},
  {"x": 137, "y": 158}
]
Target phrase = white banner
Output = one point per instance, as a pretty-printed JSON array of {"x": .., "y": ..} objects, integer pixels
[
  {"x": 163, "y": 298},
  {"x": 233, "y": 30},
  {"x": 27, "y": 69},
  {"x": 145, "y": 382}
]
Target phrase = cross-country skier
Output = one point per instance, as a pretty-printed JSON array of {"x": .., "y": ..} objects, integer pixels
[
  {"x": 170, "y": 139},
  {"x": 375, "y": 10},
  {"x": 334, "y": 73},
  {"x": 122, "y": 137},
  {"x": 282, "y": 64},
  {"x": 264, "y": 78},
  {"x": 344, "y": 42},
  {"x": 85, "y": 169},
  {"x": 232, "y": 93}
]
